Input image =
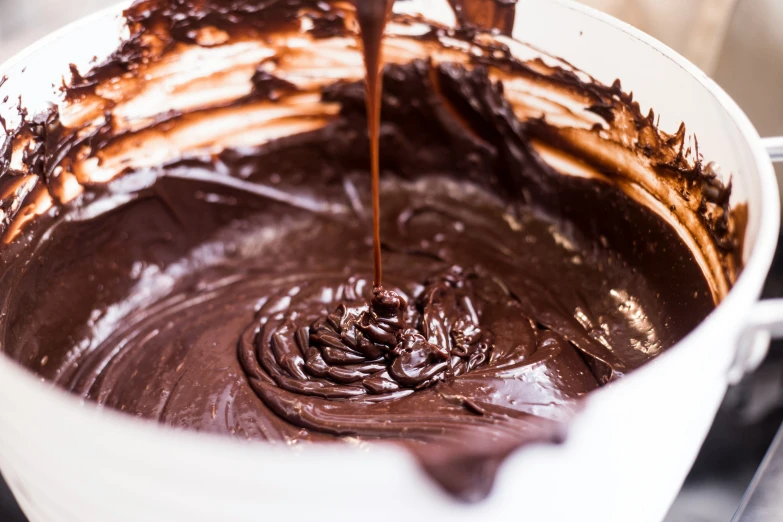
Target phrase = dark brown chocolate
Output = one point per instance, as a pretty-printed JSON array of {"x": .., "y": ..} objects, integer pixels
[{"x": 372, "y": 17}]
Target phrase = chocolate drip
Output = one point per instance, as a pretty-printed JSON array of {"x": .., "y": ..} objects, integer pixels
[
  {"x": 488, "y": 15},
  {"x": 373, "y": 16}
]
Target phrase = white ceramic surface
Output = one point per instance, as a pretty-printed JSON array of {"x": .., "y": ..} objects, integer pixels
[{"x": 624, "y": 460}]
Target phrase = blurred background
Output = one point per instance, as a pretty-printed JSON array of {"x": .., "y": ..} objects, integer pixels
[{"x": 740, "y": 44}]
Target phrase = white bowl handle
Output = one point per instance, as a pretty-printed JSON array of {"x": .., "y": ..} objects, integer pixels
[
  {"x": 766, "y": 319},
  {"x": 775, "y": 148},
  {"x": 765, "y": 324}
]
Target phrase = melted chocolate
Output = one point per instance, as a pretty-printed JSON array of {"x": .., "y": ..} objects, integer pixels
[
  {"x": 231, "y": 292},
  {"x": 372, "y": 17}
]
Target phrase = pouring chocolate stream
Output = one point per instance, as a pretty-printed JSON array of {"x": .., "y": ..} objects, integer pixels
[{"x": 372, "y": 17}]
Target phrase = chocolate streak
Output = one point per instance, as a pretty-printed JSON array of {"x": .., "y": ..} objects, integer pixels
[
  {"x": 372, "y": 17},
  {"x": 225, "y": 287}
]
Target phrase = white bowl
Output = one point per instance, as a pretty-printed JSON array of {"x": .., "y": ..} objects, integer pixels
[{"x": 625, "y": 458}]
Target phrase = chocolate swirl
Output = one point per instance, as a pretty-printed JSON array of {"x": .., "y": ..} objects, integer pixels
[{"x": 384, "y": 347}]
